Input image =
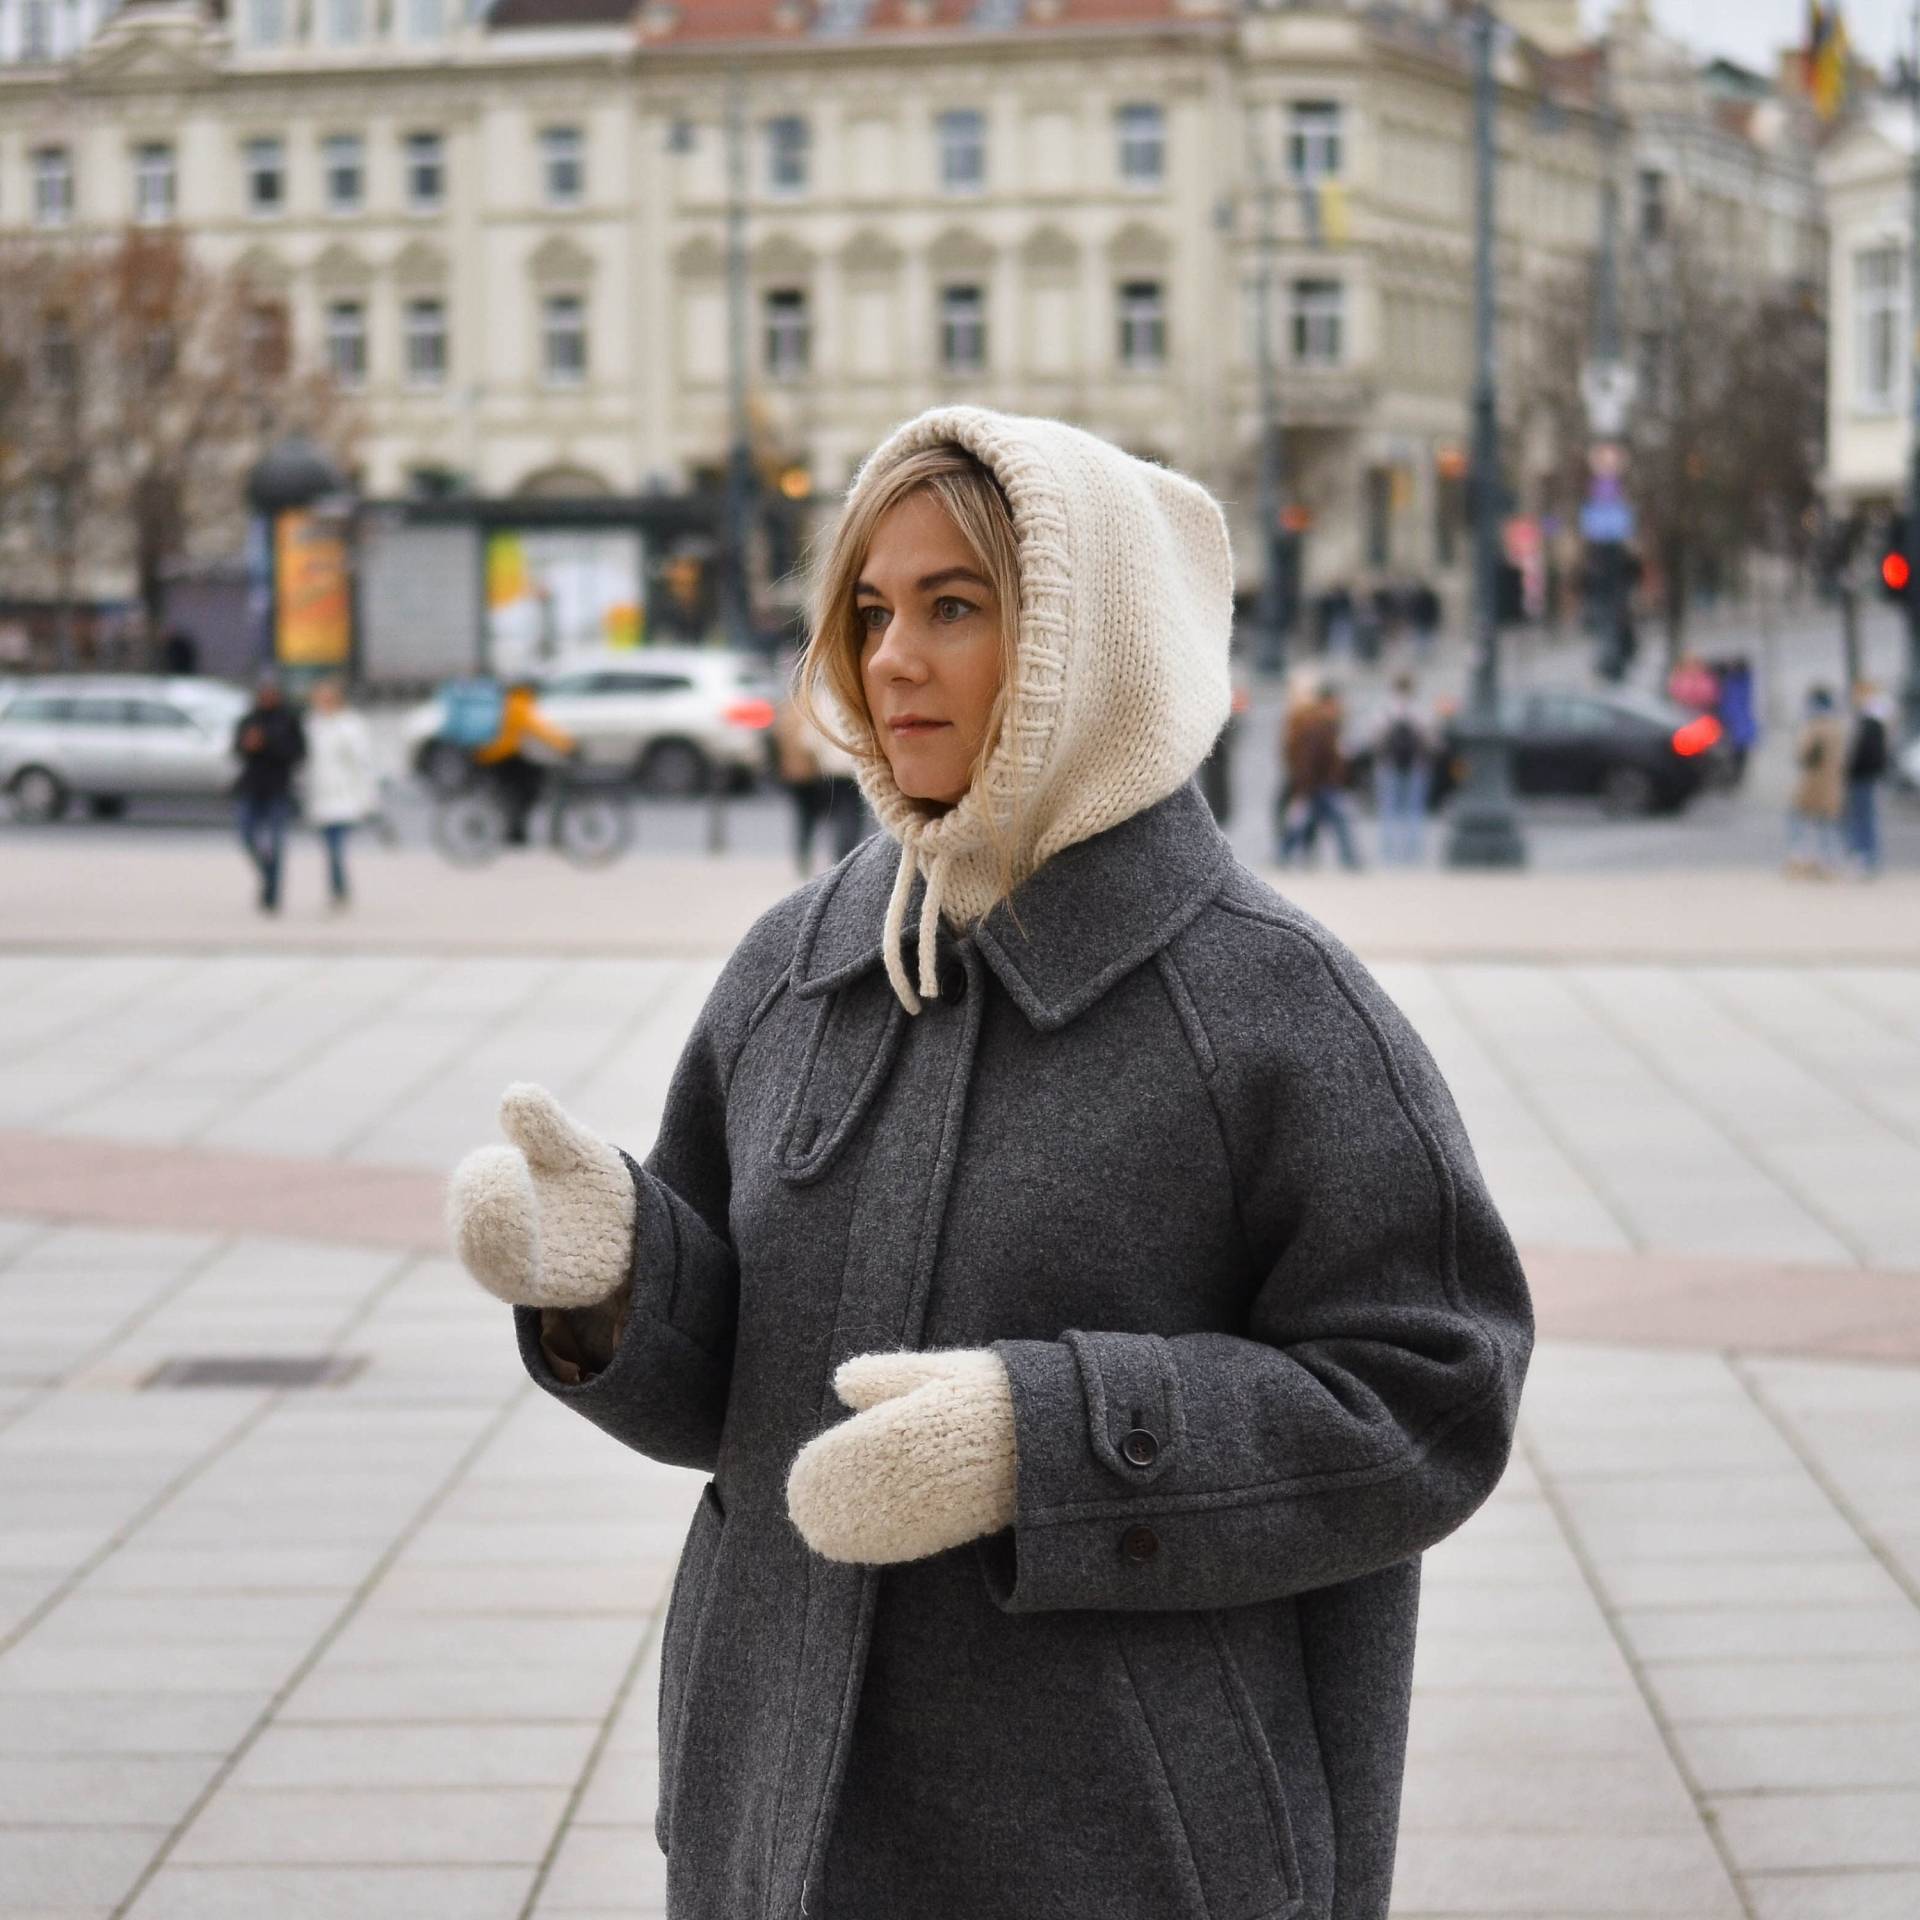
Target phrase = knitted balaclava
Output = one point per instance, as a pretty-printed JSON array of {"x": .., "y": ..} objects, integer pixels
[{"x": 1120, "y": 682}]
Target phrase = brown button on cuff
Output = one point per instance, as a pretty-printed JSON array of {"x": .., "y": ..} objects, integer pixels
[{"x": 1140, "y": 1543}]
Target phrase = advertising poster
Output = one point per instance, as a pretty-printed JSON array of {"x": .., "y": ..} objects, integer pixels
[
  {"x": 313, "y": 603},
  {"x": 553, "y": 594}
]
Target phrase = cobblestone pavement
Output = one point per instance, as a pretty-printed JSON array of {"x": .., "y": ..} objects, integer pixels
[{"x": 383, "y": 1649}]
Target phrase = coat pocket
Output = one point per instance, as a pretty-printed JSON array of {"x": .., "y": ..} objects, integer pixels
[
  {"x": 679, "y": 1642},
  {"x": 1218, "y": 1765}
]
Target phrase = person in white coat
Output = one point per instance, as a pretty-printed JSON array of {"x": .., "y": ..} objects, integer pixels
[{"x": 342, "y": 784}]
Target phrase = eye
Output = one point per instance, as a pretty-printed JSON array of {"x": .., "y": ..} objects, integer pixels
[
  {"x": 950, "y": 607},
  {"x": 871, "y": 618}
]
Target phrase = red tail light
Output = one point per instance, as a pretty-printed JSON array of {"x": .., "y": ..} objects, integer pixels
[
  {"x": 750, "y": 713},
  {"x": 1696, "y": 736}
]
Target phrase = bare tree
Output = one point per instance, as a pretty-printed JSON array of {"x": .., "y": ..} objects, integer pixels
[{"x": 152, "y": 382}]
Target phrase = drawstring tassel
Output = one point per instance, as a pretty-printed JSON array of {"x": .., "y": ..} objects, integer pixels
[
  {"x": 893, "y": 939},
  {"x": 930, "y": 926}
]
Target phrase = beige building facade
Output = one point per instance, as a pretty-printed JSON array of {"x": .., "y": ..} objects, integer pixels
[{"x": 509, "y": 235}]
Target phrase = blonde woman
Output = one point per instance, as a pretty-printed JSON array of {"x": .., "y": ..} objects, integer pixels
[{"x": 1065, "y": 1262}]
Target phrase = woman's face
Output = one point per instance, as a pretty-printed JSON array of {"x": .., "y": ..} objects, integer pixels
[{"x": 930, "y": 648}]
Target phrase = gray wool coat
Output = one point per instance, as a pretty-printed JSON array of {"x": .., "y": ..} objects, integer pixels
[{"x": 1167, "y": 1148}]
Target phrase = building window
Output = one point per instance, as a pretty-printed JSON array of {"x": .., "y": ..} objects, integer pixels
[
  {"x": 344, "y": 167},
  {"x": 787, "y": 340},
  {"x": 426, "y": 343},
  {"x": 346, "y": 22},
  {"x": 1879, "y": 305},
  {"x": 563, "y": 165},
  {"x": 963, "y": 329},
  {"x": 59, "y": 357},
  {"x": 158, "y": 354},
  {"x": 347, "y": 342},
  {"x": 1653, "y": 205},
  {"x": 1315, "y": 143},
  {"x": 1319, "y": 323},
  {"x": 563, "y": 335},
  {"x": 1143, "y": 325},
  {"x": 426, "y": 20},
  {"x": 265, "y": 163},
  {"x": 153, "y": 183},
  {"x": 788, "y": 142},
  {"x": 52, "y": 187},
  {"x": 266, "y": 22},
  {"x": 426, "y": 168},
  {"x": 1142, "y": 131},
  {"x": 269, "y": 347},
  {"x": 963, "y": 150},
  {"x": 36, "y": 31}
]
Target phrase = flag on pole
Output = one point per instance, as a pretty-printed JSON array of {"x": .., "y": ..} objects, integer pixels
[{"x": 1829, "y": 59}]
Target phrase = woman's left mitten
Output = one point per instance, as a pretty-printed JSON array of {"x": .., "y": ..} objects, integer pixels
[
  {"x": 548, "y": 1220},
  {"x": 926, "y": 1463}
]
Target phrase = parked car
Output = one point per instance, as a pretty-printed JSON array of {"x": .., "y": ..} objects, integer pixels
[
  {"x": 1633, "y": 752},
  {"x": 680, "y": 717},
  {"x": 105, "y": 739}
]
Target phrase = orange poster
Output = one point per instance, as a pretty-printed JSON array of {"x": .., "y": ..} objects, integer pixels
[{"x": 313, "y": 604}]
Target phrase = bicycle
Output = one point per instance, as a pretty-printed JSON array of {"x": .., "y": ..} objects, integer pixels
[{"x": 588, "y": 820}]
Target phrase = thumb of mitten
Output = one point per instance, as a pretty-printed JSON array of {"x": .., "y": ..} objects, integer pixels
[{"x": 584, "y": 1196}]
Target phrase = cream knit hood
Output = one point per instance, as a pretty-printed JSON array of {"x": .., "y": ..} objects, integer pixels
[{"x": 1120, "y": 671}]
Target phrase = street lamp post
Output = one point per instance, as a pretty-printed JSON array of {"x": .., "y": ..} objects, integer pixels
[
  {"x": 1607, "y": 521},
  {"x": 1485, "y": 831},
  {"x": 1271, "y": 614},
  {"x": 1910, "y": 601},
  {"x": 739, "y": 448}
]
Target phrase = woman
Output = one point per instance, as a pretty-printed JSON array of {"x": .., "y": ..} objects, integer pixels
[
  {"x": 1122, "y": 1210},
  {"x": 1820, "y": 794},
  {"x": 343, "y": 786}
]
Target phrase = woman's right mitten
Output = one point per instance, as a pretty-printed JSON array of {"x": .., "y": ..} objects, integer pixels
[{"x": 547, "y": 1221}]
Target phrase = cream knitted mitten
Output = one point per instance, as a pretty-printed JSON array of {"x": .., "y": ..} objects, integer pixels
[
  {"x": 926, "y": 1463},
  {"x": 547, "y": 1221}
]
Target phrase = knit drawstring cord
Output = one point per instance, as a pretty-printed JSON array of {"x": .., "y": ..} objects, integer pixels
[{"x": 893, "y": 939}]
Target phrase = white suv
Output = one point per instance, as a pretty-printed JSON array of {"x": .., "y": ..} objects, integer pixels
[
  {"x": 677, "y": 716},
  {"x": 110, "y": 738}
]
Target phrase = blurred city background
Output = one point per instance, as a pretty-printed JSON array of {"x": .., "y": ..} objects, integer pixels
[{"x": 415, "y": 419}]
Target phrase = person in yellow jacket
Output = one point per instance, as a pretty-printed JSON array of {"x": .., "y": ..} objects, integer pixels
[{"x": 521, "y": 778}]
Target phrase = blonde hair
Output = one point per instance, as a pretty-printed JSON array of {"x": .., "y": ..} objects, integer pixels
[{"x": 828, "y": 687}]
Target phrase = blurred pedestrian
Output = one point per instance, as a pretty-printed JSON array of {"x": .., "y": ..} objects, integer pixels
[
  {"x": 1312, "y": 796},
  {"x": 271, "y": 743},
  {"x": 1424, "y": 606},
  {"x": 1738, "y": 720},
  {"x": 1402, "y": 776},
  {"x": 1868, "y": 762},
  {"x": 1692, "y": 684},
  {"x": 519, "y": 776},
  {"x": 1819, "y": 796},
  {"x": 343, "y": 787}
]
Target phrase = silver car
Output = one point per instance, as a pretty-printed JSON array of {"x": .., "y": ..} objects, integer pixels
[{"x": 106, "y": 739}]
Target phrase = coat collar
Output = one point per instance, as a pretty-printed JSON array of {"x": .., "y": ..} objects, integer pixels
[{"x": 1087, "y": 917}]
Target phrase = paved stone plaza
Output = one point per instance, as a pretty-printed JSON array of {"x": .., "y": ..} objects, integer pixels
[{"x": 383, "y": 1649}]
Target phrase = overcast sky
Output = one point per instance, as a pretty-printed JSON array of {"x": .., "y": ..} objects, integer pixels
[{"x": 1751, "y": 30}]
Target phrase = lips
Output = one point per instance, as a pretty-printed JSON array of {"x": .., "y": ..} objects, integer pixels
[{"x": 914, "y": 726}]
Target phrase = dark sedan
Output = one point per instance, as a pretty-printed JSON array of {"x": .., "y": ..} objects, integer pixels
[{"x": 1633, "y": 752}]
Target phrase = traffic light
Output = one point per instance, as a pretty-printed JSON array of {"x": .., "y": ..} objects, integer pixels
[{"x": 1896, "y": 568}]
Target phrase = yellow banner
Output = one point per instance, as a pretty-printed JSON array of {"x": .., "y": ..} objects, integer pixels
[{"x": 312, "y": 601}]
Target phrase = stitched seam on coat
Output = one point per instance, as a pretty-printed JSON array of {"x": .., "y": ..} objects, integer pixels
[
  {"x": 1233, "y": 1685},
  {"x": 1172, "y": 973},
  {"x": 1160, "y": 1759},
  {"x": 1436, "y": 1160}
]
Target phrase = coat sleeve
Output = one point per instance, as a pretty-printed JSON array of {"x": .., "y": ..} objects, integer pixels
[
  {"x": 664, "y": 1391},
  {"x": 1367, "y": 1407}
]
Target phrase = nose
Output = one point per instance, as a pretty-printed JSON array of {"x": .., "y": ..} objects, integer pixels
[{"x": 899, "y": 654}]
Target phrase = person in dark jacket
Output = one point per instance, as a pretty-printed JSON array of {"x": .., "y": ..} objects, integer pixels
[
  {"x": 271, "y": 743},
  {"x": 1869, "y": 759},
  {"x": 1064, "y": 1261}
]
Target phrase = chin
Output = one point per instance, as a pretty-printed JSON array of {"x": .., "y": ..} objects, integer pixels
[{"x": 937, "y": 790}]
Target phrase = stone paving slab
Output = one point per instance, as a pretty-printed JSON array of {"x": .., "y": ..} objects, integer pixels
[{"x": 446, "y": 1706}]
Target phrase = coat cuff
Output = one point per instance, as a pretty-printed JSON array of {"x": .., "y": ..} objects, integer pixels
[{"x": 1100, "y": 1436}]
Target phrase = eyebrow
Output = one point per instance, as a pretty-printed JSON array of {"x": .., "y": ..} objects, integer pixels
[{"x": 928, "y": 581}]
